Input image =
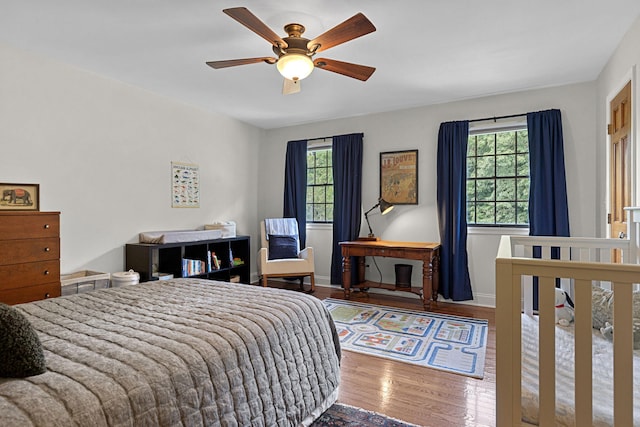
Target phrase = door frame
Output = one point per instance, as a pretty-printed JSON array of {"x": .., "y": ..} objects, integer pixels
[{"x": 634, "y": 152}]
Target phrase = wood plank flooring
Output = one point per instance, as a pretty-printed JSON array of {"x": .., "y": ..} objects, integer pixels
[{"x": 411, "y": 393}]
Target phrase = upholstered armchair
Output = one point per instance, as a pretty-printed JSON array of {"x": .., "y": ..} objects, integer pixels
[{"x": 280, "y": 254}]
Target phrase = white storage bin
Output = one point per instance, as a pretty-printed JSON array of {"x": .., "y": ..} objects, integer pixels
[
  {"x": 227, "y": 228},
  {"x": 124, "y": 278},
  {"x": 83, "y": 281}
]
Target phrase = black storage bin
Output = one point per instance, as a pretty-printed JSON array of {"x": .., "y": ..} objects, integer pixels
[{"x": 403, "y": 275}]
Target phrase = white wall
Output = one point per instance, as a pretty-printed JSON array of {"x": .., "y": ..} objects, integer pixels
[
  {"x": 418, "y": 128},
  {"x": 102, "y": 151},
  {"x": 621, "y": 67}
]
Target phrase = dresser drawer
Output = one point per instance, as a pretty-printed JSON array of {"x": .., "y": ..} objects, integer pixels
[
  {"x": 29, "y": 274},
  {"x": 32, "y": 293},
  {"x": 29, "y": 250},
  {"x": 29, "y": 226}
]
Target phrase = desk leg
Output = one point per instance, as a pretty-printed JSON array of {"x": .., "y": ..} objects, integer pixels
[
  {"x": 435, "y": 270},
  {"x": 430, "y": 280},
  {"x": 361, "y": 268},
  {"x": 346, "y": 276},
  {"x": 427, "y": 292}
]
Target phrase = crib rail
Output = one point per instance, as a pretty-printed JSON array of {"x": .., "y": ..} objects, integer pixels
[
  {"x": 583, "y": 249},
  {"x": 576, "y": 248},
  {"x": 583, "y": 261}
]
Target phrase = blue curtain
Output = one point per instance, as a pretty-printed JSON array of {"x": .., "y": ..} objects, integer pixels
[
  {"x": 548, "y": 209},
  {"x": 347, "y": 193},
  {"x": 295, "y": 187},
  {"x": 452, "y": 210}
]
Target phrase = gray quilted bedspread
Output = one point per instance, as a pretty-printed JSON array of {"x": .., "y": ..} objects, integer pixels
[{"x": 181, "y": 352}]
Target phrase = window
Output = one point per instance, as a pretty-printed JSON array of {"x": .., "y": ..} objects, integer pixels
[
  {"x": 319, "y": 185},
  {"x": 498, "y": 178}
]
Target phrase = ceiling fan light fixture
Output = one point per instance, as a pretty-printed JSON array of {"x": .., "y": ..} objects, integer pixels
[
  {"x": 294, "y": 66},
  {"x": 294, "y": 53}
]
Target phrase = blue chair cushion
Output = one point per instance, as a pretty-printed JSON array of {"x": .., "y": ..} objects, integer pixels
[{"x": 282, "y": 247}]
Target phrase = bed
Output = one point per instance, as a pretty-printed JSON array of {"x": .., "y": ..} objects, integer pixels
[
  {"x": 551, "y": 375},
  {"x": 178, "y": 352}
]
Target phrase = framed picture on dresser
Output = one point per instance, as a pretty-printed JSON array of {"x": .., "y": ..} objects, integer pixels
[{"x": 20, "y": 197}]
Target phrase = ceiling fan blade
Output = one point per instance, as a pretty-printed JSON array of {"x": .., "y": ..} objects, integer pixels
[
  {"x": 356, "y": 71},
  {"x": 245, "y": 61},
  {"x": 354, "y": 27},
  {"x": 252, "y": 22},
  {"x": 290, "y": 86}
]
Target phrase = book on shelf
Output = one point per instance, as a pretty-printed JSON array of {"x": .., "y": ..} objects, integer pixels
[
  {"x": 192, "y": 267},
  {"x": 215, "y": 262}
]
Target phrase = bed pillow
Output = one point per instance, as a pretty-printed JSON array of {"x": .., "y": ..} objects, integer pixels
[
  {"x": 602, "y": 306},
  {"x": 21, "y": 352},
  {"x": 602, "y": 313},
  {"x": 282, "y": 247}
]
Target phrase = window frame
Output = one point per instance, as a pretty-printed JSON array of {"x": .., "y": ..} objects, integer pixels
[
  {"x": 324, "y": 144},
  {"x": 494, "y": 129}
]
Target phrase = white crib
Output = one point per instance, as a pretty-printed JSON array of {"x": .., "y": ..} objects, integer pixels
[{"x": 583, "y": 262}]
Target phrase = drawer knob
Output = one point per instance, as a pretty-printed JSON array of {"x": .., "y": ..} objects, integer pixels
[
  {"x": 46, "y": 272},
  {"x": 47, "y": 249},
  {"x": 47, "y": 295},
  {"x": 46, "y": 226}
]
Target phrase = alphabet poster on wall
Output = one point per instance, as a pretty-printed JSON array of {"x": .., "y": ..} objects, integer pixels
[{"x": 185, "y": 185}]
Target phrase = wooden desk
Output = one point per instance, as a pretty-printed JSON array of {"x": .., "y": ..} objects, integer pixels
[{"x": 429, "y": 253}]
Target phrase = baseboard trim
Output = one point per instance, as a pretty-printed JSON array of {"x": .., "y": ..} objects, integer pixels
[{"x": 480, "y": 300}]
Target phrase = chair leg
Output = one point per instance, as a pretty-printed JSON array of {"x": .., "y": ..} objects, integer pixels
[
  {"x": 264, "y": 280},
  {"x": 313, "y": 283}
]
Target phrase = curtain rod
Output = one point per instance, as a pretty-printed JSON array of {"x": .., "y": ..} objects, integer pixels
[
  {"x": 494, "y": 118},
  {"x": 331, "y": 137}
]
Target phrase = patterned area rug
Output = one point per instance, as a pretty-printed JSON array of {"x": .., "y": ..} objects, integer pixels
[
  {"x": 340, "y": 415},
  {"x": 448, "y": 343}
]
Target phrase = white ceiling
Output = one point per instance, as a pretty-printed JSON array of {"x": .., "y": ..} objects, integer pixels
[{"x": 425, "y": 51}]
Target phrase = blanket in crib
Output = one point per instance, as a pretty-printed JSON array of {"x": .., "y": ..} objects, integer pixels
[{"x": 602, "y": 376}]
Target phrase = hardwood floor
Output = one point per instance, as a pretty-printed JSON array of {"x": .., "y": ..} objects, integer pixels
[{"x": 412, "y": 393}]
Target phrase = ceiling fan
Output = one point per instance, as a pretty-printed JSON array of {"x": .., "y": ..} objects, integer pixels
[{"x": 295, "y": 53}]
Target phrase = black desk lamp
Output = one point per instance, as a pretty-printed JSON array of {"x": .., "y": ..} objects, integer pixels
[{"x": 385, "y": 208}]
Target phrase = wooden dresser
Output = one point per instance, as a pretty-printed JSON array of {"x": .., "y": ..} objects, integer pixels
[{"x": 29, "y": 256}]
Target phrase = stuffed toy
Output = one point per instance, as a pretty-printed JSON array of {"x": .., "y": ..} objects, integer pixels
[
  {"x": 564, "y": 309},
  {"x": 602, "y": 313},
  {"x": 607, "y": 331}
]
